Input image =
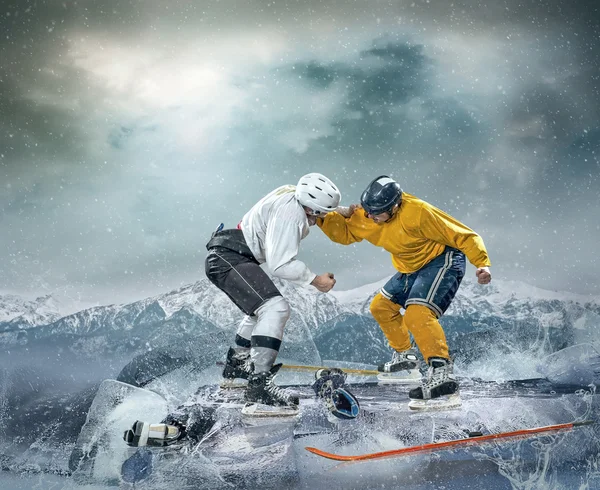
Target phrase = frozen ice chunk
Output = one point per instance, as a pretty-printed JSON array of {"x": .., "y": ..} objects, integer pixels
[
  {"x": 577, "y": 365},
  {"x": 100, "y": 450}
]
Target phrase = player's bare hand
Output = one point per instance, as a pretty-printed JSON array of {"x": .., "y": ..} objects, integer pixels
[
  {"x": 346, "y": 212},
  {"x": 483, "y": 275},
  {"x": 324, "y": 282}
]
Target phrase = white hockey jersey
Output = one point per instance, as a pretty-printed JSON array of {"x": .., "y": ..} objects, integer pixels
[{"x": 273, "y": 229}]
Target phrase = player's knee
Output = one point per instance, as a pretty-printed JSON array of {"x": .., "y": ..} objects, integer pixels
[
  {"x": 272, "y": 315},
  {"x": 417, "y": 315},
  {"x": 282, "y": 307},
  {"x": 276, "y": 307},
  {"x": 382, "y": 308}
]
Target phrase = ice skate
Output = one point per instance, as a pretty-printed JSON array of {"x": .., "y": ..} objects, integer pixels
[
  {"x": 237, "y": 370},
  {"x": 403, "y": 368},
  {"x": 439, "y": 391},
  {"x": 265, "y": 399}
]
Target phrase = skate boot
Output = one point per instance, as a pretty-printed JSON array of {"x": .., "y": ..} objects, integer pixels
[
  {"x": 439, "y": 391},
  {"x": 156, "y": 435},
  {"x": 403, "y": 368},
  {"x": 237, "y": 370},
  {"x": 265, "y": 399}
]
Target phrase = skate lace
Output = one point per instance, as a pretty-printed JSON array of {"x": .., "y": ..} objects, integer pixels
[
  {"x": 436, "y": 376},
  {"x": 247, "y": 366},
  {"x": 276, "y": 391},
  {"x": 398, "y": 357},
  {"x": 244, "y": 362}
]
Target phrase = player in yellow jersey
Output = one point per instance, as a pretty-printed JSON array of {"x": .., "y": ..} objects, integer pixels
[{"x": 428, "y": 249}]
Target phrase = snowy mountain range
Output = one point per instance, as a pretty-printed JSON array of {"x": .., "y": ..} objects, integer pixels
[
  {"x": 20, "y": 313},
  {"x": 338, "y": 325}
]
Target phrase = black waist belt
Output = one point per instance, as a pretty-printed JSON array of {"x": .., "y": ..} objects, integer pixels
[{"x": 232, "y": 240}]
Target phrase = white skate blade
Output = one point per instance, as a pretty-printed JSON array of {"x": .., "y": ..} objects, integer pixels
[
  {"x": 449, "y": 402},
  {"x": 261, "y": 410},
  {"x": 228, "y": 383},
  {"x": 412, "y": 376},
  {"x": 144, "y": 434}
]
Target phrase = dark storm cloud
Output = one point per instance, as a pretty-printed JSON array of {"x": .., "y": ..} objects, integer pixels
[
  {"x": 401, "y": 75},
  {"x": 586, "y": 149},
  {"x": 318, "y": 75},
  {"x": 555, "y": 115},
  {"x": 31, "y": 133},
  {"x": 381, "y": 84}
]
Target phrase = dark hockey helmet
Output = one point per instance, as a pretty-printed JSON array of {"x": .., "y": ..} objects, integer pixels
[{"x": 381, "y": 195}]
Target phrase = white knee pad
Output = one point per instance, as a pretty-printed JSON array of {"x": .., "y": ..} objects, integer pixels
[
  {"x": 272, "y": 316},
  {"x": 246, "y": 326}
]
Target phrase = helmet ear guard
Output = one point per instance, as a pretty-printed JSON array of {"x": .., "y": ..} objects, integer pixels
[
  {"x": 381, "y": 195},
  {"x": 317, "y": 192}
]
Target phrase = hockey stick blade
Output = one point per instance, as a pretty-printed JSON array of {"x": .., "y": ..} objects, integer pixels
[{"x": 436, "y": 446}]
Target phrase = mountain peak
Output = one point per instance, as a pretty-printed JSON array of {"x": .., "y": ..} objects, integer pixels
[{"x": 42, "y": 310}]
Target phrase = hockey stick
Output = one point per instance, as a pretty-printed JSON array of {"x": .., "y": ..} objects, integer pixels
[
  {"x": 479, "y": 439},
  {"x": 363, "y": 372},
  {"x": 301, "y": 367}
]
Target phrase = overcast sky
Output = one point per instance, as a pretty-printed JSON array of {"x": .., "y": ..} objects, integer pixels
[{"x": 130, "y": 129}]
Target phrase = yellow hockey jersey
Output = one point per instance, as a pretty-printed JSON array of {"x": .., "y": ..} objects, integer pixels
[{"x": 415, "y": 235}]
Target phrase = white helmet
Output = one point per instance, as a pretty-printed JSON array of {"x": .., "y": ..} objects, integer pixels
[{"x": 317, "y": 192}]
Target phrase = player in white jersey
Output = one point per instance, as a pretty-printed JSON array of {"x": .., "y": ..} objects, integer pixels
[{"x": 269, "y": 233}]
